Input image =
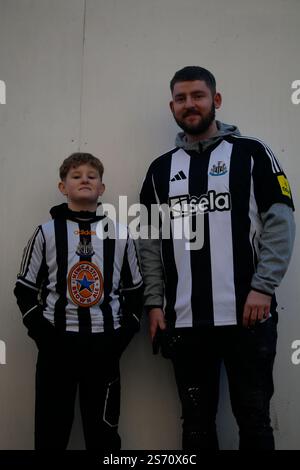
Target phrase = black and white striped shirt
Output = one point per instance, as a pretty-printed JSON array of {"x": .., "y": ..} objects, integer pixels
[
  {"x": 234, "y": 181},
  {"x": 79, "y": 279}
]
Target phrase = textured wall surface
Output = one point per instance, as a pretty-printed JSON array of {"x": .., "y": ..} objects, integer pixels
[{"x": 94, "y": 75}]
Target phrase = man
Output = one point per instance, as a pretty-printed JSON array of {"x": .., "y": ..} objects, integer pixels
[{"x": 219, "y": 298}]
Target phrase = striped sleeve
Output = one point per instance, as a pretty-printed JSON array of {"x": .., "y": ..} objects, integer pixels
[
  {"x": 271, "y": 185},
  {"x": 32, "y": 261},
  {"x": 131, "y": 285},
  {"x": 30, "y": 278},
  {"x": 131, "y": 277}
]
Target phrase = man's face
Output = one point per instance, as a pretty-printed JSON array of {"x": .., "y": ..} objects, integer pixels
[
  {"x": 82, "y": 185},
  {"x": 193, "y": 106}
]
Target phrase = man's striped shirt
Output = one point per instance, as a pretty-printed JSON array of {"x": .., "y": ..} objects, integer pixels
[{"x": 230, "y": 184}]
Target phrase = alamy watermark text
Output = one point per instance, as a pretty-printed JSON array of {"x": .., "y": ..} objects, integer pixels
[
  {"x": 295, "y": 96},
  {"x": 2, "y": 352},
  {"x": 296, "y": 353},
  {"x": 2, "y": 92}
]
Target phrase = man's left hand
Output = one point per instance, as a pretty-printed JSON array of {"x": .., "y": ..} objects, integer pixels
[{"x": 257, "y": 308}]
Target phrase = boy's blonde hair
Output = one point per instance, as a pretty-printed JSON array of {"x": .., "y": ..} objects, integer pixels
[{"x": 77, "y": 159}]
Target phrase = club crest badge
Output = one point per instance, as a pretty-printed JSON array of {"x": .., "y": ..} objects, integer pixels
[
  {"x": 85, "y": 249},
  {"x": 219, "y": 169},
  {"x": 85, "y": 284}
]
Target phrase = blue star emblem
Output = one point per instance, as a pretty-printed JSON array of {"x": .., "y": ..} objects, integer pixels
[{"x": 85, "y": 284}]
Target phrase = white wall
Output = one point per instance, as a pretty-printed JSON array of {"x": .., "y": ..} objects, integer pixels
[{"x": 94, "y": 75}]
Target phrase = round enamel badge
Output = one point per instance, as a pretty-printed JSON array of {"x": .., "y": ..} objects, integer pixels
[{"x": 85, "y": 283}]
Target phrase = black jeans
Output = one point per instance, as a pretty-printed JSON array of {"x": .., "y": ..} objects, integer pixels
[
  {"x": 248, "y": 355},
  {"x": 90, "y": 364}
]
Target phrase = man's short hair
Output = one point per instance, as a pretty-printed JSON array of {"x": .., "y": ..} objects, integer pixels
[
  {"x": 77, "y": 159},
  {"x": 194, "y": 72}
]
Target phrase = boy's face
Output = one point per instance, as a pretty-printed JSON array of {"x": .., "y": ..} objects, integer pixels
[{"x": 82, "y": 187}]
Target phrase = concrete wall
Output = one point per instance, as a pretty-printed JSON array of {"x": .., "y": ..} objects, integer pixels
[{"x": 93, "y": 75}]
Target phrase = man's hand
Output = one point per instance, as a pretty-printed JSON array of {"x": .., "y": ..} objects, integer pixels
[
  {"x": 257, "y": 308},
  {"x": 156, "y": 320}
]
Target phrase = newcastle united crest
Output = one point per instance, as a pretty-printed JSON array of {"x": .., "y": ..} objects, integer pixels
[{"x": 85, "y": 284}]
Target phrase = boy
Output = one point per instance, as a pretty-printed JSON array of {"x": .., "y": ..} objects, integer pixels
[{"x": 81, "y": 299}]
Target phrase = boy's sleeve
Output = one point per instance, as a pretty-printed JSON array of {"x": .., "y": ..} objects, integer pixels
[
  {"x": 29, "y": 282},
  {"x": 131, "y": 282},
  {"x": 131, "y": 294}
]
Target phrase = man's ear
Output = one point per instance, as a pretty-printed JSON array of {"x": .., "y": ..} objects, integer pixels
[
  {"x": 218, "y": 100},
  {"x": 171, "y": 104},
  {"x": 62, "y": 188}
]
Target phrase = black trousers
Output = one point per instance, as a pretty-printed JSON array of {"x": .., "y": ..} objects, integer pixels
[
  {"x": 91, "y": 365},
  {"x": 248, "y": 355}
]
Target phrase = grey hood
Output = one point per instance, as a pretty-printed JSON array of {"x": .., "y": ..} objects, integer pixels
[{"x": 223, "y": 130}]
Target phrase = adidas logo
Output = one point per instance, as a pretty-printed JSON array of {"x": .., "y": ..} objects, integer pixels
[{"x": 178, "y": 177}]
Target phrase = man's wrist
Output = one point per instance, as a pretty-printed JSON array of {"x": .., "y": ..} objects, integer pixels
[
  {"x": 151, "y": 307},
  {"x": 261, "y": 291}
]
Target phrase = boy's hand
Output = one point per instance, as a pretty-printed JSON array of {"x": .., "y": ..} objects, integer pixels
[
  {"x": 256, "y": 308},
  {"x": 156, "y": 320}
]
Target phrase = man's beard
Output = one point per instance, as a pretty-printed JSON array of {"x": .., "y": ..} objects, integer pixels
[{"x": 203, "y": 125}]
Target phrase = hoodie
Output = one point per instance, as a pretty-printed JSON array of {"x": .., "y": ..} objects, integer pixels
[
  {"x": 72, "y": 280},
  {"x": 223, "y": 130}
]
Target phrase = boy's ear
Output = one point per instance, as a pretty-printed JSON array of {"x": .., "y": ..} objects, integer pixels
[
  {"x": 102, "y": 189},
  {"x": 62, "y": 188}
]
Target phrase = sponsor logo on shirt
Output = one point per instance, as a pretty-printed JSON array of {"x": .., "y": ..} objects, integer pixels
[
  {"x": 186, "y": 205},
  {"x": 85, "y": 232},
  {"x": 85, "y": 284},
  {"x": 284, "y": 185},
  {"x": 219, "y": 169}
]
